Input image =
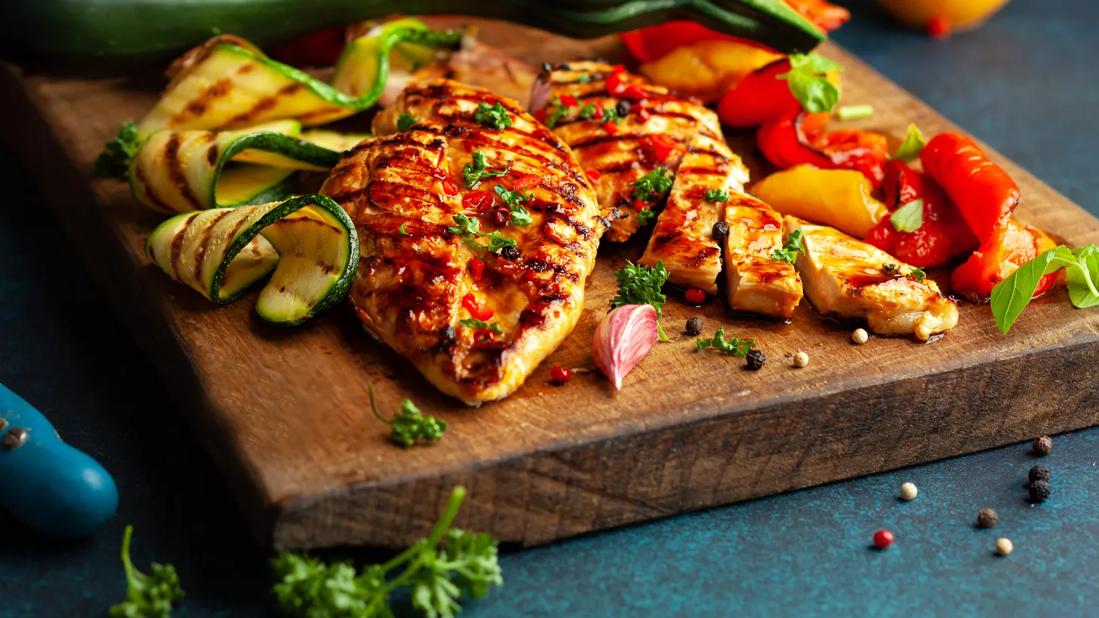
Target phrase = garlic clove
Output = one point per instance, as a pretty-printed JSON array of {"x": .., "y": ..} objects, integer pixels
[{"x": 622, "y": 339}]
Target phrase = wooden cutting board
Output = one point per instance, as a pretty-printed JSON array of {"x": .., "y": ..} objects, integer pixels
[{"x": 285, "y": 413}]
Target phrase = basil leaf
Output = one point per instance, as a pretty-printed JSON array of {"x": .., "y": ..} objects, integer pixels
[
  {"x": 1013, "y": 294},
  {"x": 1083, "y": 278},
  {"x": 908, "y": 218},
  {"x": 809, "y": 83},
  {"x": 912, "y": 145}
]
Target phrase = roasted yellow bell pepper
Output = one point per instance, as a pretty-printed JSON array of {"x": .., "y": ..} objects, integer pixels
[
  {"x": 707, "y": 69},
  {"x": 839, "y": 198}
]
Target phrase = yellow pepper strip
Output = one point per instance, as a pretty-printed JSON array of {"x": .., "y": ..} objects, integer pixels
[
  {"x": 707, "y": 69},
  {"x": 839, "y": 198}
]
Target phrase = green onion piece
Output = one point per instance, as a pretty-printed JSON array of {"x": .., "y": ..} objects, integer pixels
[{"x": 854, "y": 112}]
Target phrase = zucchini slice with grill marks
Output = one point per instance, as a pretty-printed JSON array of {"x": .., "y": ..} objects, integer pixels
[
  {"x": 180, "y": 171},
  {"x": 308, "y": 246}
]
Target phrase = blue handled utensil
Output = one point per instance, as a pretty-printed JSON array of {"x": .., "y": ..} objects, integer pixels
[{"x": 47, "y": 484}]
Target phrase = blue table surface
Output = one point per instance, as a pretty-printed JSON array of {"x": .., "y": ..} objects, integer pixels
[{"x": 1026, "y": 83}]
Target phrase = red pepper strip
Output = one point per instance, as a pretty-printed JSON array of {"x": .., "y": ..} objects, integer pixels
[
  {"x": 943, "y": 235},
  {"x": 593, "y": 174},
  {"x": 476, "y": 268},
  {"x": 1008, "y": 247},
  {"x": 657, "y": 147},
  {"x": 526, "y": 181},
  {"x": 476, "y": 310},
  {"x": 825, "y": 15},
  {"x": 758, "y": 98},
  {"x": 801, "y": 138},
  {"x": 568, "y": 100},
  {"x": 655, "y": 42},
  {"x": 983, "y": 191}
]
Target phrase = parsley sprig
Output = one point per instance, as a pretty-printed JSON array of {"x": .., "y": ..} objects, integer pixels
[
  {"x": 477, "y": 170},
  {"x": 409, "y": 426},
  {"x": 653, "y": 185},
  {"x": 114, "y": 161},
  {"x": 732, "y": 346},
  {"x": 717, "y": 195},
  {"x": 1014, "y": 293},
  {"x": 147, "y": 596},
  {"x": 645, "y": 215},
  {"x": 469, "y": 229},
  {"x": 476, "y": 324},
  {"x": 789, "y": 251},
  {"x": 405, "y": 121},
  {"x": 514, "y": 200},
  {"x": 808, "y": 82},
  {"x": 495, "y": 116},
  {"x": 439, "y": 570},
  {"x": 638, "y": 285}
]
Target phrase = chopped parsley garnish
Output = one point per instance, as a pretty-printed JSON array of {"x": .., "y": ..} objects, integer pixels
[
  {"x": 652, "y": 185},
  {"x": 409, "y": 426},
  {"x": 477, "y": 170},
  {"x": 476, "y": 324},
  {"x": 717, "y": 195},
  {"x": 148, "y": 595},
  {"x": 638, "y": 285},
  {"x": 403, "y": 229},
  {"x": 732, "y": 346},
  {"x": 495, "y": 116},
  {"x": 917, "y": 273},
  {"x": 789, "y": 251},
  {"x": 893, "y": 269},
  {"x": 610, "y": 114},
  {"x": 405, "y": 122},
  {"x": 514, "y": 201},
  {"x": 908, "y": 218},
  {"x": 470, "y": 231},
  {"x": 645, "y": 215},
  {"x": 583, "y": 78},
  {"x": 808, "y": 82},
  {"x": 587, "y": 112},
  {"x": 912, "y": 145},
  {"x": 114, "y": 161},
  {"x": 560, "y": 110}
]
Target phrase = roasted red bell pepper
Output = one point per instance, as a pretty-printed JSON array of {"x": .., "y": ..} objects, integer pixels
[
  {"x": 655, "y": 42},
  {"x": 801, "y": 138},
  {"x": 759, "y": 98},
  {"x": 1008, "y": 246},
  {"x": 943, "y": 236},
  {"x": 825, "y": 15},
  {"x": 983, "y": 191}
]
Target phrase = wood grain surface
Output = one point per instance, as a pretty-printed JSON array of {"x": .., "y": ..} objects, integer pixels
[{"x": 285, "y": 413}]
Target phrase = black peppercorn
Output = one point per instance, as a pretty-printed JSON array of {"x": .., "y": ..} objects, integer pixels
[
  {"x": 510, "y": 252},
  {"x": 720, "y": 231},
  {"x": 755, "y": 359},
  {"x": 1039, "y": 473},
  {"x": 1042, "y": 446},
  {"x": 623, "y": 108},
  {"x": 1039, "y": 491},
  {"x": 987, "y": 518},
  {"x": 694, "y": 325}
]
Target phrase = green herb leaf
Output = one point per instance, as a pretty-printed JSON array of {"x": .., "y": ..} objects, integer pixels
[
  {"x": 610, "y": 114},
  {"x": 1083, "y": 279},
  {"x": 809, "y": 84},
  {"x": 587, "y": 111},
  {"x": 583, "y": 78},
  {"x": 496, "y": 116},
  {"x": 514, "y": 201},
  {"x": 717, "y": 195},
  {"x": 114, "y": 161},
  {"x": 1014, "y": 293},
  {"x": 732, "y": 346},
  {"x": 147, "y": 596},
  {"x": 645, "y": 215},
  {"x": 854, "y": 112},
  {"x": 476, "y": 324},
  {"x": 470, "y": 231},
  {"x": 477, "y": 170},
  {"x": 409, "y": 426},
  {"x": 917, "y": 273},
  {"x": 403, "y": 229},
  {"x": 912, "y": 145},
  {"x": 638, "y": 285},
  {"x": 559, "y": 111},
  {"x": 908, "y": 218},
  {"x": 652, "y": 185},
  {"x": 405, "y": 122},
  {"x": 789, "y": 251}
]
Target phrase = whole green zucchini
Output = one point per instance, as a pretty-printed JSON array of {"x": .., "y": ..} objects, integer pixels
[{"x": 115, "y": 31}]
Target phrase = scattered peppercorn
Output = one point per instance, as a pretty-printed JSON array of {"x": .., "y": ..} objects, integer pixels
[
  {"x": 623, "y": 108},
  {"x": 859, "y": 336},
  {"x": 909, "y": 491},
  {"x": 560, "y": 375},
  {"x": 510, "y": 252},
  {"x": 694, "y": 325},
  {"x": 694, "y": 296},
  {"x": 1039, "y": 491},
  {"x": 1042, "y": 446},
  {"x": 720, "y": 231},
  {"x": 801, "y": 359},
  {"x": 1039, "y": 473},
  {"x": 883, "y": 539},
  {"x": 755, "y": 359},
  {"x": 987, "y": 518},
  {"x": 1004, "y": 546}
]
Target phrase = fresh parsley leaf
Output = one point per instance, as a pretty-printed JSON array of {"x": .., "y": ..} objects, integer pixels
[
  {"x": 586, "y": 112},
  {"x": 908, "y": 218},
  {"x": 610, "y": 114},
  {"x": 645, "y": 215},
  {"x": 470, "y": 231},
  {"x": 496, "y": 116},
  {"x": 808, "y": 82},
  {"x": 559, "y": 112},
  {"x": 477, "y": 170},
  {"x": 514, "y": 201},
  {"x": 439, "y": 570},
  {"x": 405, "y": 122},
  {"x": 147, "y": 596},
  {"x": 1014, "y": 293},
  {"x": 789, "y": 251},
  {"x": 114, "y": 161},
  {"x": 403, "y": 229},
  {"x": 854, "y": 112},
  {"x": 583, "y": 78},
  {"x": 717, "y": 195},
  {"x": 638, "y": 285},
  {"x": 476, "y": 324},
  {"x": 409, "y": 426},
  {"x": 917, "y": 273},
  {"x": 652, "y": 185},
  {"x": 732, "y": 346},
  {"x": 912, "y": 145}
]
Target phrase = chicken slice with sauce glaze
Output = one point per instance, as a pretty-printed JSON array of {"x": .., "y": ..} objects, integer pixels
[
  {"x": 852, "y": 279},
  {"x": 474, "y": 318},
  {"x": 755, "y": 281}
]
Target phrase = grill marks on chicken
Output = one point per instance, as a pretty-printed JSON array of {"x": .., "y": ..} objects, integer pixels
[
  {"x": 850, "y": 278},
  {"x": 755, "y": 281},
  {"x": 654, "y": 131},
  {"x": 474, "y": 321}
]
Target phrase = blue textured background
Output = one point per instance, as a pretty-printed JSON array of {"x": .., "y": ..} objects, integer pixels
[{"x": 1026, "y": 83}]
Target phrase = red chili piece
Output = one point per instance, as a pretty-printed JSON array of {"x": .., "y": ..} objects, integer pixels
[
  {"x": 479, "y": 201},
  {"x": 695, "y": 296},
  {"x": 449, "y": 187},
  {"x": 598, "y": 113},
  {"x": 883, "y": 539},
  {"x": 634, "y": 92},
  {"x": 615, "y": 85},
  {"x": 568, "y": 99},
  {"x": 657, "y": 147},
  {"x": 525, "y": 181},
  {"x": 592, "y": 174},
  {"x": 560, "y": 375},
  {"x": 476, "y": 268},
  {"x": 610, "y": 127},
  {"x": 476, "y": 310}
]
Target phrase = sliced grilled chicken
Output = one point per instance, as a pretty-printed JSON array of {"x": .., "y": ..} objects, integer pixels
[
  {"x": 755, "y": 281},
  {"x": 621, "y": 128},
  {"x": 850, "y": 278},
  {"x": 683, "y": 236},
  {"x": 474, "y": 294}
]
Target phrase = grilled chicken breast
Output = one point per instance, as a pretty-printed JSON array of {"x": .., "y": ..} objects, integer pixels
[
  {"x": 683, "y": 235},
  {"x": 755, "y": 281},
  {"x": 850, "y": 278},
  {"x": 621, "y": 128},
  {"x": 468, "y": 288}
]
